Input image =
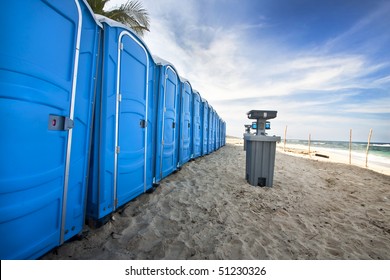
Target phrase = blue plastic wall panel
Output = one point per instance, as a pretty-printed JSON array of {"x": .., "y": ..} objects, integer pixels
[
  {"x": 214, "y": 140},
  {"x": 201, "y": 115},
  {"x": 214, "y": 130},
  {"x": 44, "y": 82},
  {"x": 185, "y": 131},
  {"x": 222, "y": 144},
  {"x": 197, "y": 151},
  {"x": 124, "y": 124},
  {"x": 222, "y": 134},
  {"x": 205, "y": 133},
  {"x": 222, "y": 124},
  {"x": 211, "y": 130},
  {"x": 167, "y": 122},
  {"x": 217, "y": 135},
  {"x": 225, "y": 133},
  {"x": 218, "y": 132}
]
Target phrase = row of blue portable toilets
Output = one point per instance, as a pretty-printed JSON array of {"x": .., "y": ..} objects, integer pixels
[{"x": 89, "y": 120}]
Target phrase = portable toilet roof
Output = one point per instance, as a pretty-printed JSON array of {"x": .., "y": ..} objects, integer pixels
[
  {"x": 114, "y": 23},
  {"x": 160, "y": 61},
  {"x": 184, "y": 80}
]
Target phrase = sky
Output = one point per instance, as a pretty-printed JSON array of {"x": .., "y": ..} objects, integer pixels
[{"x": 324, "y": 65}]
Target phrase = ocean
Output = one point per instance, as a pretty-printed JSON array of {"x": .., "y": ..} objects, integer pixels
[{"x": 378, "y": 152}]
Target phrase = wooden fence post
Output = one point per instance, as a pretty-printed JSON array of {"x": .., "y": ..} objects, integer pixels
[{"x": 368, "y": 146}]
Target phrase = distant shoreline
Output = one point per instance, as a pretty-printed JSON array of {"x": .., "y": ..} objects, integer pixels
[{"x": 376, "y": 163}]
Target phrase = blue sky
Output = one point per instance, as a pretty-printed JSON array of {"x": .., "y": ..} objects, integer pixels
[{"x": 323, "y": 65}]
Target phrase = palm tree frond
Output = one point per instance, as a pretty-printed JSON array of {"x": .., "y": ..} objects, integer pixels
[
  {"x": 131, "y": 14},
  {"x": 97, "y": 6}
]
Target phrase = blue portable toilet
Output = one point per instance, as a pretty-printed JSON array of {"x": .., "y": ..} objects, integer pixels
[
  {"x": 201, "y": 115},
  {"x": 217, "y": 139},
  {"x": 205, "y": 128},
  {"x": 212, "y": 130},
  {"x": 210, "y": 140},
  {"x": 196, "y": 119},
  {"x": 215, "y": 129},
  {"x": 167, "y": 146},
  {"x": 223, "y": 133},
  {"x": 218, "y": 132},
  {"x": 185, "y": 129},
  {"x": 122, "y": 160},
  {"x": 48, "y": 66}
]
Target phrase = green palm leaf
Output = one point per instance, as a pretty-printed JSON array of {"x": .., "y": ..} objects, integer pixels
[{"x": 131, "y": 14}]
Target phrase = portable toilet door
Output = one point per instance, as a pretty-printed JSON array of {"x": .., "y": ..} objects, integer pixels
[
  {"x": 218, "y": 132},
  {"x": 205, "y": 128},
  {"x": 197, "y": 151},
  {"x": 217, "y": 136},
  {"x": 201, "y": 108},
  {"x": 213, "y": 119},
  {"x": 185, "y": 130},
  {"x": 214, "y": 138},
  {"x": 167, "y": 120},
  {"x": 224, "y": 133},
  {"x": 47, "y": 73},
  {"x": 122, "y": 145},
  {"x": 210, "y": 140}
]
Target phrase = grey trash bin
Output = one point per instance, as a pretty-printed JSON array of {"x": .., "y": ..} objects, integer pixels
[{"x": 260, "y": 151}]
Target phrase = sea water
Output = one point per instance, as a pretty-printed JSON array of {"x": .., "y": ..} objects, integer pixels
[{"x": 378, "y": 153}]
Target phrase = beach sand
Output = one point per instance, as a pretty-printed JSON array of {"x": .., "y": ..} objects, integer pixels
[{"x": 315, "y": 210}]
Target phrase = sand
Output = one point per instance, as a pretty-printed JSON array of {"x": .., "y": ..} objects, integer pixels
[{"x": 315, "y": 210}]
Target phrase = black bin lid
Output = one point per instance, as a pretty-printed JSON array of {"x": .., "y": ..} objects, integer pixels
[{"x": 261, "y": 114}]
